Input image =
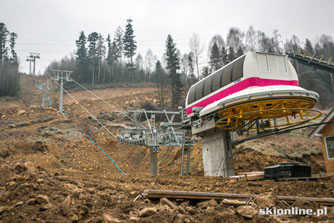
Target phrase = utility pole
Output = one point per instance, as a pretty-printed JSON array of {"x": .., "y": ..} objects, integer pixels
[
  {"x": 33, "y": 57},
  {"x": 61, "y": 76}
]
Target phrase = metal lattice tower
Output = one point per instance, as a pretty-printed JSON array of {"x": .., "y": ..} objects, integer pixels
[
  {"x": 32, "y": 58},
  {"x": 61, "y": 76},
  {"x": 170, "y": 133},
  {"x": 44, "y": 86}
]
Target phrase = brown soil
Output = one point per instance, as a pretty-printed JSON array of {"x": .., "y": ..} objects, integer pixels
[{"x": 51, "y": 172}]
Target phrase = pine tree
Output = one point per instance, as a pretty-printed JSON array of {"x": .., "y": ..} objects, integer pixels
[
  {"x": 110, "y": 56},
  {"x": 160, "y": 79},
  {"x": 118, "y": 44},
  {"x": 205, "y": 71},
  {"x": 240, "y": 52},
  {"x": 231, "y": 54},
  {"x": 129, "y": 44},
  {"x": 173, "y": 64},
  {"x": 224, "y": 55},
  {"x": 215, "y": 58},
  {"x": 81, "y": 57},
  {"x": 100, "y": 54},
  {"x": 3, "y": 40},
  {"x": 308, "y": 47},
  {"x": 92, "y": 52},
  {"x": 13, "y": 58}
]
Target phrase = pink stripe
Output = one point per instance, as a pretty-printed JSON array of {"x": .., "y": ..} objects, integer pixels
[{"x": 249, "y": 82}]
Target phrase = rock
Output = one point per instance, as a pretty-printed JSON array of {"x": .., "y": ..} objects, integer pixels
[
  {"x": 227, "y": 212},
  {"x": 180, "y": 218},
  {"x": 40, "y": 146},
  {"x": 2, "y": 209},
  {"x": 20, "y": 168},
  {"x": 4, "y": 152},
  {"x": 235, "y": 203},
  {"x": 21, "y": 124},
  {"x": 191, "y": 210},
  {"x": 147, "y": 212},
  {"x": 265, "y": 200},
  {"x": 165, "y": 201},
  {"x": 132, "y": 218},
  {"x": 74, "y": 189},
  {"x": 65, "y": 205},
  {"x": 134, "y": 193},
  {"x": 107, "y": 218},
  {"x": 21, "y": 112},
  {"x": 247, "y": 211},
  {"x": 206, "y": 204},
  {"x": 47, "y": 206},
  {"x": 18, "y": 204},
  {"x": 42, "y": 199},
  {"x": 74, "y": 218},
  {"x": 31, "y": 201},
  {"x": 30, "y": 168},
  {"x": 40, "y": 181}
]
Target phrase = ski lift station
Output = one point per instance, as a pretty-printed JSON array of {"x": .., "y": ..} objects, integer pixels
[{"x": 256, "y": 92}]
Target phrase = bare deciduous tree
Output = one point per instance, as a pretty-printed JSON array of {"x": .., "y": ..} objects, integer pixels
[{"x": 196, "y": 47}]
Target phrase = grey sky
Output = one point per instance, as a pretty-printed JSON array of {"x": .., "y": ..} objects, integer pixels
[{"x": 52, "y": 26}]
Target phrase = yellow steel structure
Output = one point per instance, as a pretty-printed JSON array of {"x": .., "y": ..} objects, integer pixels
[{"x": 274, "y": 112}]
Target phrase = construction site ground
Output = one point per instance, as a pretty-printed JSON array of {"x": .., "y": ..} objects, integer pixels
[{"x": 51, "y": 172}]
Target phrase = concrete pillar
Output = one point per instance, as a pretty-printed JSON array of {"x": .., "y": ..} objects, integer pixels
[
  {"x": 217, "y": 153},
  {"x": 153, "y": 161}
]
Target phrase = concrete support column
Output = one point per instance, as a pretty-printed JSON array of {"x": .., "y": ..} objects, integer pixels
[
  {"x": 154, "y": 161},
  {"x": 217, "y": 153}
]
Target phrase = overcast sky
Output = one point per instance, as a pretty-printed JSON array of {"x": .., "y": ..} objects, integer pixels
[{"x": 51, "y": 27}]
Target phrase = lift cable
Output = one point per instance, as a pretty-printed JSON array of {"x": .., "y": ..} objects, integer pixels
[
  {"x": 112, "y": 134},
  {"x": 124, "y": 115}
]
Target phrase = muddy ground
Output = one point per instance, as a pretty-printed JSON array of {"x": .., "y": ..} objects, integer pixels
[{"x": 51, "y": 172}]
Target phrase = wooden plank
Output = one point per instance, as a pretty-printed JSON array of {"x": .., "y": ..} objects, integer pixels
[
  {"x": 247, "y": 177},
  {"x": 221, "y": 196},
  {"x": 251, "y": 173},
  {"x": 299, "y": 178}
]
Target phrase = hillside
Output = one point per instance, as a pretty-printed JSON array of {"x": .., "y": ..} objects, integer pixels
[{"x": 51, "y": 172}]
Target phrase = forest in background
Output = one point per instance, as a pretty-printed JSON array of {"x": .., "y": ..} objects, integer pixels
[{"x": 108, "y": 59}]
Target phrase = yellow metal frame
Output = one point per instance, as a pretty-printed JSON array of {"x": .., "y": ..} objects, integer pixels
[{"x": 277, "y": 112}]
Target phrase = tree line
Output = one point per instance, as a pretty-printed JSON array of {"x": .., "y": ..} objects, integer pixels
[
  {"x": 9, "y": 79},
  {"x": 100, "y": 61}
]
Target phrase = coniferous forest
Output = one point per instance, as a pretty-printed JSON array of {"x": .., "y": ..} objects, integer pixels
[
  {"x": 9, "y": 79},
  {"x": 114, "y": 58}
]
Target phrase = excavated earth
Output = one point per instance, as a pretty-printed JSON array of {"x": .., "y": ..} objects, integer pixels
[{"x": 51, "y": 172}]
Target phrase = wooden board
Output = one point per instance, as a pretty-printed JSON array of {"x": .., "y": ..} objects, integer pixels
[{"x": 247, "y": 176}]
